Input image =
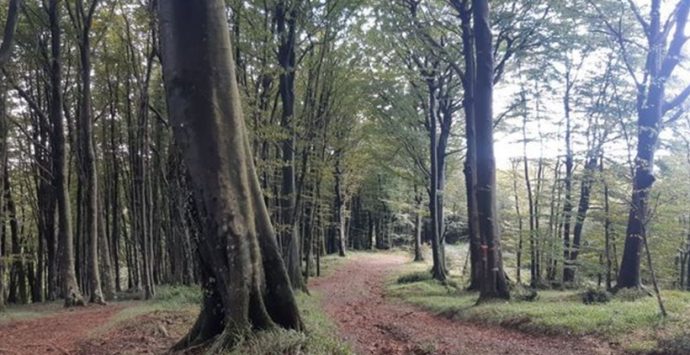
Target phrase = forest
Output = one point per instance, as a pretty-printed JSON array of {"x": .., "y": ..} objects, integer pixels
[{"x": 345, "y": 176}]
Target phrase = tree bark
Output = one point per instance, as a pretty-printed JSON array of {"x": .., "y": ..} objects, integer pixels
[
  {"x": 339, "y": 204},
  {"x": 567, "y": 203},
  {"x": 286, "y": 21},
  {"x": 651, "y": 106},
  {"x": 470, "y": 165},
  {"x": 493, "y": 283},
  {"x": 520, "y": 225},
  {"x": 245, "y": 281},
  {"x": 88, "y": 152},
  {"x": 68, "y": 280},
  {"x": 418, "y": 256},
  {"x": 582, "y": 208}
]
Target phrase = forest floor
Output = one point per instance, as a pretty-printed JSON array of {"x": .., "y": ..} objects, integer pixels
[
  {"x": 128, "y": 327},
  {"x": 355, "y": 298},
  {"x": 352, "y": 295}
]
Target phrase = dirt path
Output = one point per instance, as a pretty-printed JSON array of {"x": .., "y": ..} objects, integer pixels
[
  {"x": 59, "y": 333},
  {"x": 354, "y": 297}
]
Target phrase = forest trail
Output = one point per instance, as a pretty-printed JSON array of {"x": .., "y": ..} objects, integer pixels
[
  {"x": 354, "y": 297},
  {"x": 59, "y": 333}
]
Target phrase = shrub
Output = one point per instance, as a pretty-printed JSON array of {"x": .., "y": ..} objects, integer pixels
[
  {"x": 179, "y": 294},
  {"x": 414, "y": 277},
  {"x": 527, "y": 294},
  {"x": 596, "y": 295},
  {"x": 632, "y": 294}
]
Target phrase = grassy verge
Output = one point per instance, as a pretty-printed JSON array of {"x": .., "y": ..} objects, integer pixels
[
  {"x": 321, "y": 335},
  {"x": 14, "y": 313},
  {"x": 635, "y": 325},
  {"x": 319, "y": 339}
]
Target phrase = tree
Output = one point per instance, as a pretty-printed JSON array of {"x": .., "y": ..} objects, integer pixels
[
  {"x": 661, "y": 59},
  {"x": 245, "y": 281},
  {"x": 286, "y": 20},
  {"x": 493, "y": 279},
  {"x": 5, "y": 54},
  {"x": 82, "y": 18},
  {"x": 69, "y": 287}
]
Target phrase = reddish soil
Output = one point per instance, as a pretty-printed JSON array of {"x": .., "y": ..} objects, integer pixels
[
  {"x": 152, "y": 333},
  {"x": 59, "y": 333},
  {"x": 353, "y": 295}
]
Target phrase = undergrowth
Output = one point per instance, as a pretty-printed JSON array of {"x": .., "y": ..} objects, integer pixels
[
  {"x": 628, "y": 319},
  {"x": 319, "y": 339}
]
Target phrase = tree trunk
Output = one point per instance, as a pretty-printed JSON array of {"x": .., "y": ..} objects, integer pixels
[
  {"x": 493, "y": 283},
  {"x": 245, "y": 281},
  {"x": 660, "y": 64},
  {"x": 418, "y": 256},
  {"x": 68, "y": 280},
  {"x": 17, "y": 286},
  {"x": 470, "y": 164},
  {"x": 286, "y": 21},
  {"x": 88, "y": 155},
  {"x": 519, "y": 218},
  {"x": 567, "y": 203},
  {"x": 532, "y": 208},
  {"x": 582, "y": 208},
  {"x": 438, "y": 269}
]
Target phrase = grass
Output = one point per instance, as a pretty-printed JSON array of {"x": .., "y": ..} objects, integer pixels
[
  {"x": 168, "y": 298},
  {"x": 633, "y": 322},
  {"x": 12, "y": 313},
  {"x": 319, "y": 339},
  {"x": 320, "y": 336}
]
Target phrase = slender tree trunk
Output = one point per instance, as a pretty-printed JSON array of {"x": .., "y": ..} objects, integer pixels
[
  {"x": 69, "y": 287},
  {"x": 470, "y": 164},
  {"x": 438, "y": 269},
  {"x": 3, "y": 161},
  {"x": 88, "y": 154},
  {"x": 286, "y": 21},
  {"x": 582, "y": 208},
  {"x": 532, "y": 208},
  {"x": 17, "y": 287},
  {"x": 340, "y": 204},
  {"x": 418, "y": 256},
  {"x": 519, "y": 218},
  {"x": 567, "y": 204}
]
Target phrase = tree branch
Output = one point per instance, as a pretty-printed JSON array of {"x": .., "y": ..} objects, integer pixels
[{"x": 677, "y": 101}]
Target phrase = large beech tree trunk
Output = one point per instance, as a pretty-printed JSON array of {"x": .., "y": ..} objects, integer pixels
[
  {"x": 245, "y": 281},
  {"x": 493, "y": 279}
]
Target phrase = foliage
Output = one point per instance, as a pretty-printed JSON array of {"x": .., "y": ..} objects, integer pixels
[
  {"x": 414, "y": 277},
  {"x": 594, "y": 296}
]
